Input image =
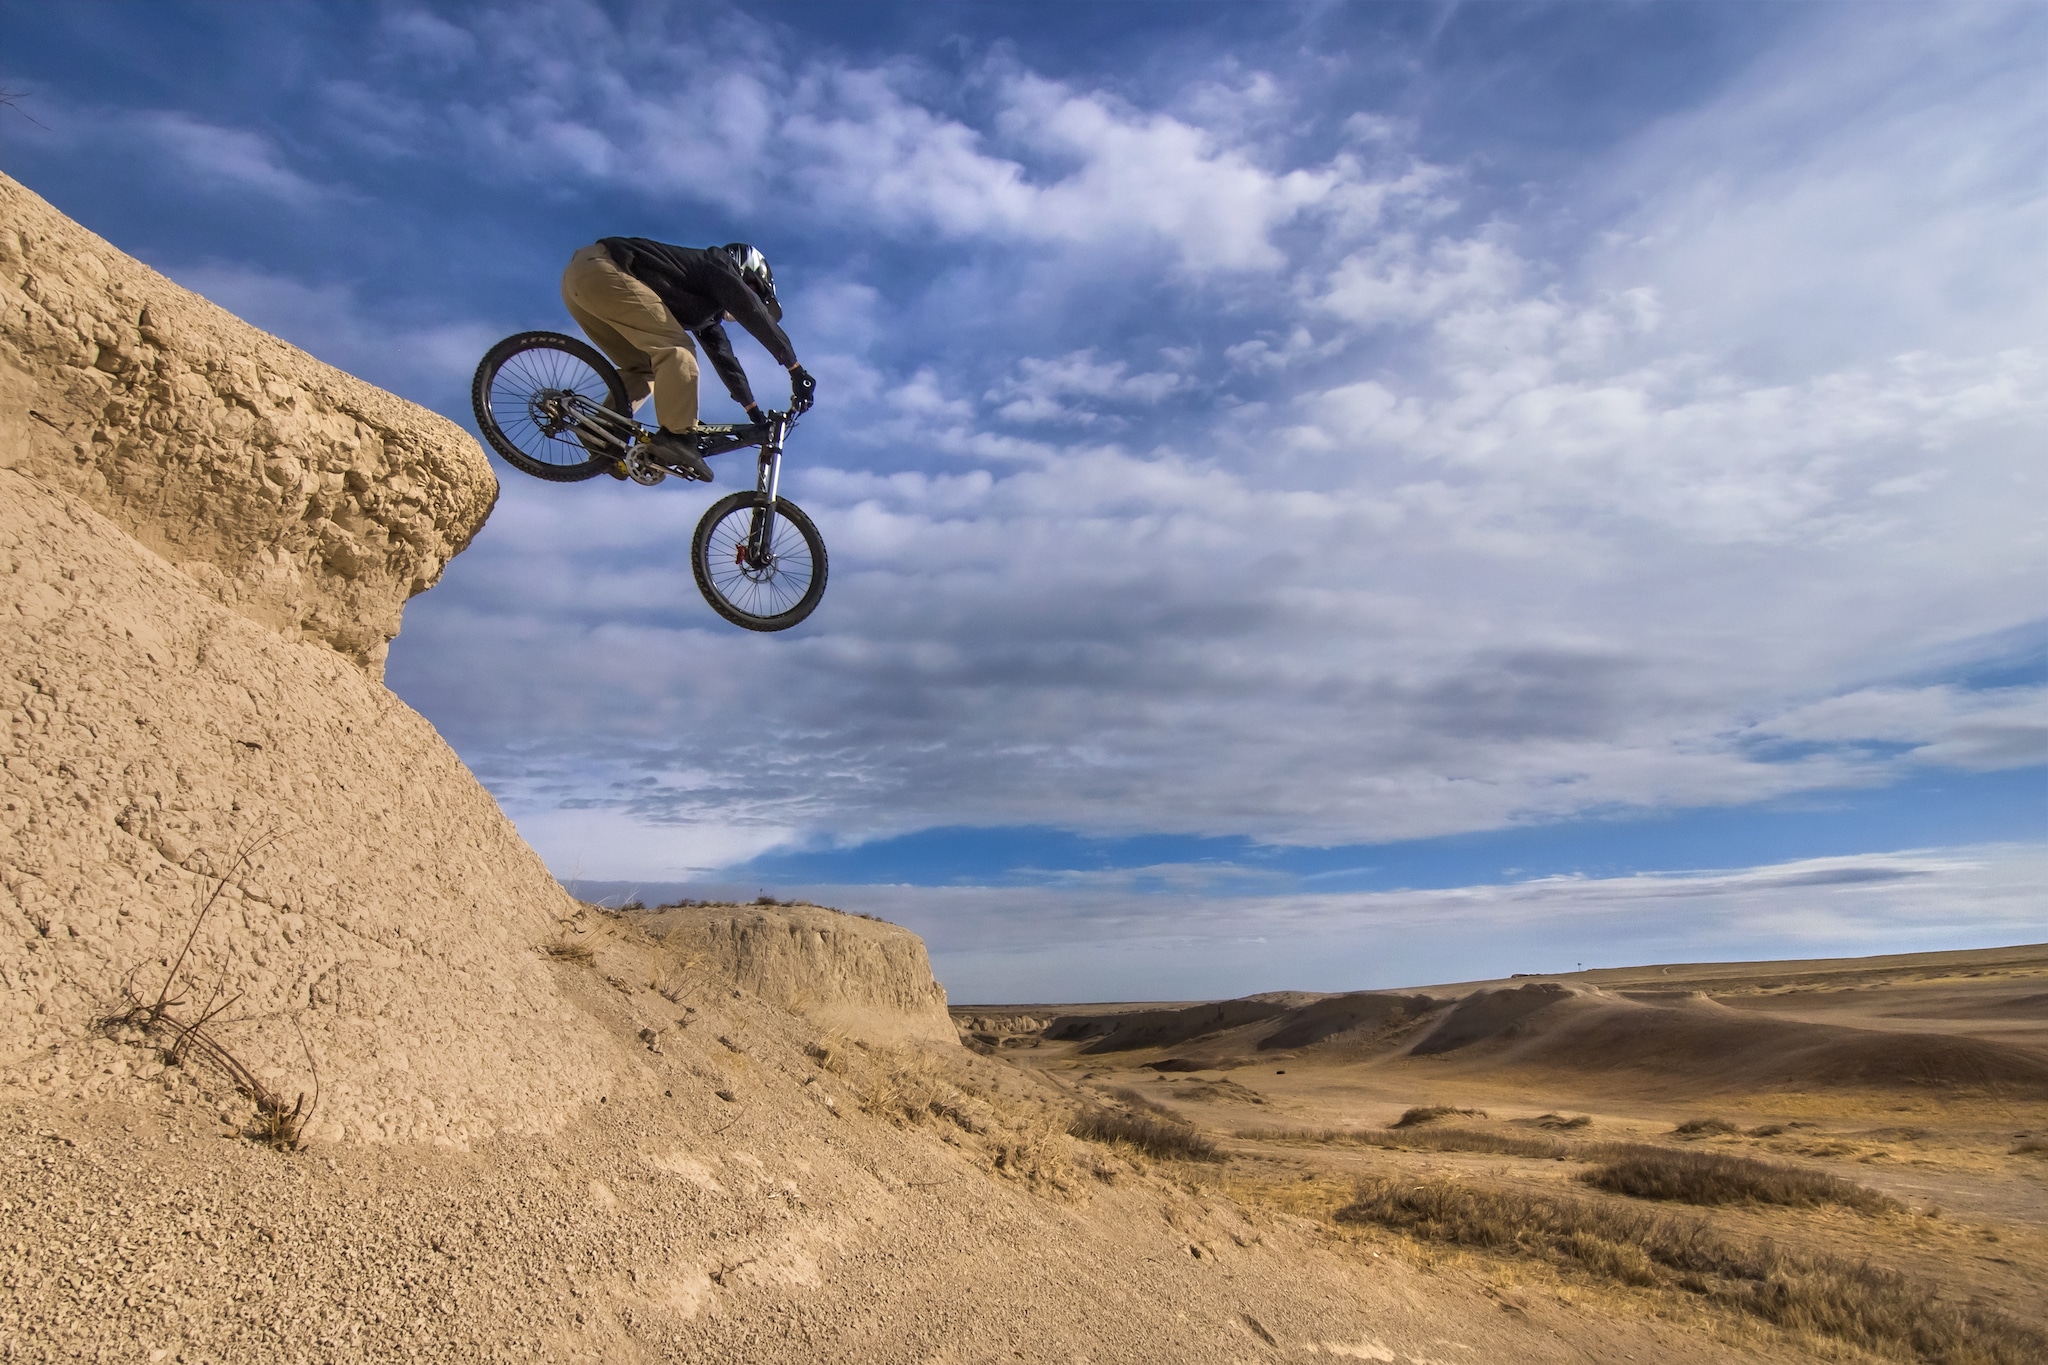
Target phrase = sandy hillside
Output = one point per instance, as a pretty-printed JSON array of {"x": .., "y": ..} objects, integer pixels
[{"x": 303, "y": 1055}]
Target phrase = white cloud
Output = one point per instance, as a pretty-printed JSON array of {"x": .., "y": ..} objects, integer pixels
[
  {"x": 1864, "y": 190},
  {"x": 1400, "y": 280},
  {"x": 1453, "y": 519},
  {"x": 1950, "y": 726},
  {"x": 748, "y": 125},
  {"x": 1064, "y": 943},
  {"x": 200, "y": 154},
  {"x": 1041, "y": 390},
  {"x": 227, "y": 157}
]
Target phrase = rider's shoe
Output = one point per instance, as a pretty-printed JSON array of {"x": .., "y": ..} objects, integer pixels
[{"x": 678, "y": 450}]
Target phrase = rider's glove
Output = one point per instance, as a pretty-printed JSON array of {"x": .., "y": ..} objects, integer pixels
[
  {"x": 755, "y": 415},
  {"x": 802, "y": 389}
]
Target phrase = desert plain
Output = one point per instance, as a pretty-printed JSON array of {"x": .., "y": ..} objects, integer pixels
[{"x": 1904, "y": 1098}]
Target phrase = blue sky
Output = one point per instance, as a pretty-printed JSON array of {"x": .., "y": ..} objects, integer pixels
[{"x": 1319, "y": 495}]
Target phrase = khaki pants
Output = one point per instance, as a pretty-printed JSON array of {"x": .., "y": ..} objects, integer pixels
[{"x": 629, "y": 322}]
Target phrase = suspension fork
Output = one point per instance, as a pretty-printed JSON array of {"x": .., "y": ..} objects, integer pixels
[{"x": 768, "y": 483}]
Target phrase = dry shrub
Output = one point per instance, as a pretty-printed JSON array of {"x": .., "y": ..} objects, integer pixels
[
  {"x": 1473, "y": 1140},
  {"x": 1704, "y": 1128},
  {"x": 1160, "y": 1138},
  {"x": 909, "y": 1086},
  {"x": 1559, "y": 1121},
  {"x": 1709, "y": 1178},
  {"x": 1323, "y": 1135},
  {"x": 185, "y": 1041},
  {"x": 1145, "y": 1105},
  {"x": 1036, "y": 1154},
  {"x": 1867, "y": 1305},
  {"x": 566, "y": 949},
  {"x": 1430, "y": 1113},
  {"x": 831, "y": 1052}
]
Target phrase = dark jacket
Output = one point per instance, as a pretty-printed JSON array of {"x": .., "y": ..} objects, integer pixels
[{"x": 701, "y": 285}]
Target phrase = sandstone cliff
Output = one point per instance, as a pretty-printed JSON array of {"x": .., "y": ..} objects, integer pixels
[
  {"x": 871, "y": 980},
  {"x": 298, "y": 496},
  {"x": 206, "y": 539}
]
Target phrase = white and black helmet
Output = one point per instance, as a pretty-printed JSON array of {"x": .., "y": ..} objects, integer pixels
[{"x": 754, "y": 269}]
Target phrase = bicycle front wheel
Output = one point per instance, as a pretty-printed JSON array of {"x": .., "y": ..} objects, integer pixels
[
  {"x": 525, "y": 393},
  {"x": 760, "y": 592}
]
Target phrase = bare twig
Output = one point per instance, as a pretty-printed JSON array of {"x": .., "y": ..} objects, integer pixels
[{"x": 245, "y": 851}]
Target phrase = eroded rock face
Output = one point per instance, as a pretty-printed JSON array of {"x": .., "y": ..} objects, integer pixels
[
  {"x": 871, "y": 979},
  {"x": 296, "y": 495},
  {"x": 386, "y": 922},
  {"x": 206, "y": 540}
]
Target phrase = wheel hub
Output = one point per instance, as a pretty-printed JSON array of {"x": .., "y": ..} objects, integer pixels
[
  {"x": 753, "y": 572},
  {"x": 549, "y": 409}
]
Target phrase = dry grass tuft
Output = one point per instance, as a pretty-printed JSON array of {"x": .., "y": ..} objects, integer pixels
[
  {"x": 1155, "y": 1137},
  {"x": 1709, "y": 1178},
  {"x": 1144, "y": 1104},
  {"x": 1035, "y": 1154},
  {"x": 2029, "y": 1146},
  {"x": 831, "y": 1052},
  {"x": 908, "y": 1086},
  {"x": 1473, "y": 1140},
  {"x": 1860, "y": 1303},
  {"x": 1703, "y": 1128},
  {"x": 1559, "y": 1121},
  {"x": 566, "y": 949},
  {"x": 1430, "y": 1113}
]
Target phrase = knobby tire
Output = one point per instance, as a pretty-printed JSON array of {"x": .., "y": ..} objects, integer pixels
[
  {"x": 753, "y": 600},
  {"x": 505, "y": 383}
]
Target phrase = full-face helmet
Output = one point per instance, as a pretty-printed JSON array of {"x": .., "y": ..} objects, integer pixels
[{"x": 753, "y": 268}]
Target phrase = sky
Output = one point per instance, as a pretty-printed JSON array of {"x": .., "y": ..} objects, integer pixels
[{"x": 1319, "y": 496}]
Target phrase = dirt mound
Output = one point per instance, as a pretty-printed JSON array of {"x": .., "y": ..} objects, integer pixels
[
  {"x": 1486, "y": 1015},
  {"x": 1362, "y": 1012},
  {"x": 1162, "y": 1028},
  {"x": 1705, "y": 1044},
  {"x": 1228, "y": 1032},
  {"x": 871, "y": 980},
  {"x": 385, "y": 909},
  {"x": 2033, "y": 1006},
  {"x": 744, "y": 1194}
]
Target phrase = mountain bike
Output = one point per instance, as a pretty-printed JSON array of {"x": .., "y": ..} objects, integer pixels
[{"x": 555, "y": 408}]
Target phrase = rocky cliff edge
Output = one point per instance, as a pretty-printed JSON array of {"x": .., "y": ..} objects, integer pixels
[{"x": 295, "y": 495}]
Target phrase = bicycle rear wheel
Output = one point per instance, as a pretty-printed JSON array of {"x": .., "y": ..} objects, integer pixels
[
  {"x": 773, "y": 594},
  {"x": 524, "y": 392}
]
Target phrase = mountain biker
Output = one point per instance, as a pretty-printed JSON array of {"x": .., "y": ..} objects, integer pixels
[{"x": 642, "y": 301}]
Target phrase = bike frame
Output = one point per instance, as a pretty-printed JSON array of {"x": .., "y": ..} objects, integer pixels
[{"x": 614, "y": 431}]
